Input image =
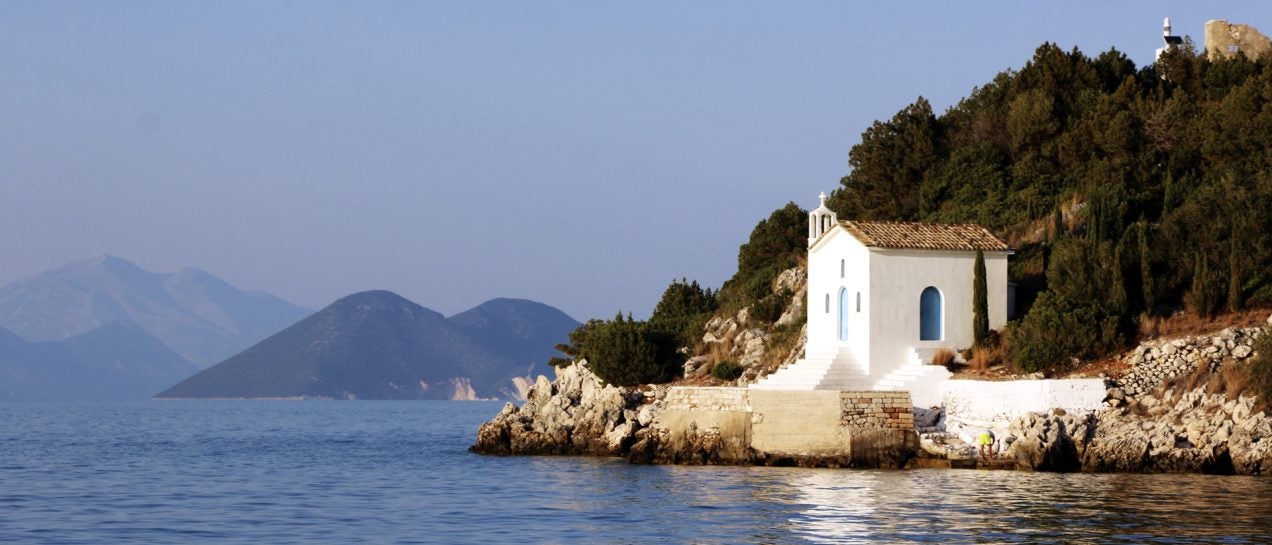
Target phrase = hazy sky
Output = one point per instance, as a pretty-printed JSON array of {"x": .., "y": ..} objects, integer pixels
[{"x": 583, "y": 154}]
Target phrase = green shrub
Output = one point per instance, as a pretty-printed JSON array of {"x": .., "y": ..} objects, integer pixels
[
  {"x": 683, "y": 310},
  {"x": 1080, "y": 316},
  {"x": 771, "y": 307},
  {"x": 1056, "y": 330},
  {"x": 573, "y": 350},
  {"x": 760, "y": 282},
  {"x": 626, "y": 352},
  {"x": 726, "y": 370},
  {"x": 1261, "y": 368}
]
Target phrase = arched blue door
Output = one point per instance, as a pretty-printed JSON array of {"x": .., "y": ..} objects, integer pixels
[
  {"x": 843, "y": 314},
  {"x": 930, "y": 314}
]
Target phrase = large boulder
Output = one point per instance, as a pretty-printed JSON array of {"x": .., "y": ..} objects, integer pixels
[
  {"x": 1045, "y": 442},
  {"x": 575, "y": 414}
]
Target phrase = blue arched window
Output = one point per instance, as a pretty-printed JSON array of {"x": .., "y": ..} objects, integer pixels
[
  {"x": 843, "y": 314},
  {"x": 930, "y": 314}
]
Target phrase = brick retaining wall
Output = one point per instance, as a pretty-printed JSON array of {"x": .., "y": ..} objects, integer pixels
[{"x": 889, "y": 410}]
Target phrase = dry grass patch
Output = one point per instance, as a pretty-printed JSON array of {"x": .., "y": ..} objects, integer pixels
[
  {"x": 1186, "y": 323},
  {"x": 1232, "y": 380},
  {"x": 943, "y": 357},
  {"x": 984, "y": 357}
]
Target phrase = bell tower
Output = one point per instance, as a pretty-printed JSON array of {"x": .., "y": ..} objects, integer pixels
[{"x": 820, "y": 220}]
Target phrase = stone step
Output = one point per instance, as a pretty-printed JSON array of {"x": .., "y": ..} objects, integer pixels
[{"x": 815, "y": 373}]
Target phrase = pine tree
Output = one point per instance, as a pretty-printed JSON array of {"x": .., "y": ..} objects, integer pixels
[{"x": 980, "y": 301}]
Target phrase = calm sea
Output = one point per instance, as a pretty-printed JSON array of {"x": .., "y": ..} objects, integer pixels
[{"x": 399, "y": 472}]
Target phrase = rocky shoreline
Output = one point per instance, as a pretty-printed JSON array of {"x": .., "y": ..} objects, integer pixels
[
  {"x": 1169, "y": 428},
  {"x": 577, "y": 414}
]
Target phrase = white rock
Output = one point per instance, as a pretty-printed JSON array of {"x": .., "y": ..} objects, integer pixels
[{"x": 646, "y": 415}]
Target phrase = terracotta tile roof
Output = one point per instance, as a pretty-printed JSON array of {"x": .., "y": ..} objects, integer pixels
[{"x": 924, "y": 236}]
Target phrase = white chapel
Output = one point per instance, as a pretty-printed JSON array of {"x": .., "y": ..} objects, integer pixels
[{"x": 883, "y": 297}]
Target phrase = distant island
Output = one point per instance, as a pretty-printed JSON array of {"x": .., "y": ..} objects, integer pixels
[
  {"x": 105, "y": 329},
  {"x": 378, "y": 345}
]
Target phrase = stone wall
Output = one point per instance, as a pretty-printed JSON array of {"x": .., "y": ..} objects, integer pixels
[
  {"x": 1155, "y": 362},
  {"x": 799, "y": 423},
  {"x": 889, "y": 410},
  {"x": 706, "y": 399},
  {"x": 815, "y": 427}
]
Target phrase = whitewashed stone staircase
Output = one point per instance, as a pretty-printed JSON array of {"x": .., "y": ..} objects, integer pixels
[
  {"x": 840, "y": 370},
  {"x": 918, "y": 377},
  {"x": 837, "y": 370}
]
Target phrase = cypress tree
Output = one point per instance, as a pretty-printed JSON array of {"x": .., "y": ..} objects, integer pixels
[
  {"x": 1117, "y": 289},
  {"x": 1234, "y": 276},
  {"x": 1146, "y": 269},
  {"x": 1198, "y": 296},
  {"x": 980, "y": 301}
]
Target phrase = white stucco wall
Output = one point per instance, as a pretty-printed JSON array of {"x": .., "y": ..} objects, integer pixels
[
  {"x": 824, "y": 280},
  {"x": 995, "y": 404},
  {"x": 898, "y": 279}
]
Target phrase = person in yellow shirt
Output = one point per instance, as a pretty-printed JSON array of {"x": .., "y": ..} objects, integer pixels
[{"x": 986, "y": 440}]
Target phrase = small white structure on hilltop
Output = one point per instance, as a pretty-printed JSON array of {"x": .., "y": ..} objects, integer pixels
[
  {"x": 1169, "y": 41},
  {"x": 883, "y": 297}
]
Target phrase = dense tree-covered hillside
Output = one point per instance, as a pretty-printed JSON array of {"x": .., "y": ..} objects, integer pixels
[
  {"x": 1185, "y": 145},
  {"x": 1126, "y": 191}
]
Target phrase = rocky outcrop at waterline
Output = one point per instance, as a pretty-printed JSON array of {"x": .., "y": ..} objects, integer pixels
[
  {"x": 1164, "y": 432},
  {"x": 575, "y": 414}
]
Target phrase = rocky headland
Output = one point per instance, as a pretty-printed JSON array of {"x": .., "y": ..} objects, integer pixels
[{"x": 1175, "y": 410}]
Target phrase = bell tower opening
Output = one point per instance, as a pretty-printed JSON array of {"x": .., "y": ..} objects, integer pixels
[{"x": 820, "y": 220}]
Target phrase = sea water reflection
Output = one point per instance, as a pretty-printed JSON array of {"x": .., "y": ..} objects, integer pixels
[
  {"x": 618, "y": 503},
  {"x": 332, "y": 472},
  {"x": 954, "y": 506}
]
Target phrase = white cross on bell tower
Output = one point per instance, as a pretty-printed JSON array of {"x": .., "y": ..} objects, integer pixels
[{"x": 820, "y": 220}]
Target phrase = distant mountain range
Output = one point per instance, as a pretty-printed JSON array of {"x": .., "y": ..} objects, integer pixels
[
  {"x": 197, "y": 315},
  {"x": 378, "y": 345},
  {"x": 105, "y": 329},
  {"x": 116, "y": 361}
]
